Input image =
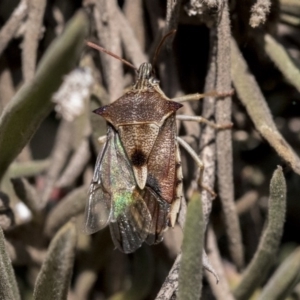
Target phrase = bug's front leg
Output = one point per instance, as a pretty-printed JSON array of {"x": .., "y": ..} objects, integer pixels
[
  {"x": 102, "y": 139},
  {"x": 199, "y": 163},
  {"x": 205, "y": 121},
  {"x": 198, "y": 96}
]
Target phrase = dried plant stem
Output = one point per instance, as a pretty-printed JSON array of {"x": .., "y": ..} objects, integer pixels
[
  {"x": 27, "y": 193},
  {"x": 247, "y": 201},
  {"x": 290, "y": 2},
  {"x": 268, "y": 245},
  {"x": 224, "y": 141},
  {"x": 251, "y": 96},
  {"x": 134, "y": 13},
  {"x": 109, "y": 37},
  {"x": 28, "y": 169},
  {"x": 76, "y": 165},
  {"x": 207, "y": 144},
  {"x": 173, "y": 9},
  {"x": 6, "y": 84},
  {"x": 221, "y": 290},
  {"x": 34, "y": 22},
  {"x": 291, "y": 20},
  {"x": 282, "y": 60},
  {"x": 70, "y": 206},
  {"x": 131, "y": 45},
  {"x": 59, "y": 156},
  {"x": 12, "y": 24},
  {"x": 22, "y": 254},
  {"x": 171, "y": 283}
]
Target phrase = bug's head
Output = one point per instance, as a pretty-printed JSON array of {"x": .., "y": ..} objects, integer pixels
[{"x": 145, "y": 77}]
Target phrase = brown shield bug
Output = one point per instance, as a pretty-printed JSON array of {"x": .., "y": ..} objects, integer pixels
[{"x": 137, "y": 182}]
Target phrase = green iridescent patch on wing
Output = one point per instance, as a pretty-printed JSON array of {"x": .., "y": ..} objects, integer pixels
[{"x": 133, "y": 215}]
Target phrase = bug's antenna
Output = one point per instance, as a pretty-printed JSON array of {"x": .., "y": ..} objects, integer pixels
[
  {"x": 99, "y": 48},
  {"x": 161, "y": 44}
]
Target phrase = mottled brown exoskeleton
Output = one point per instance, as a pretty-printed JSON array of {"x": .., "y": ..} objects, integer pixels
[{"x": 137, "y": 182}]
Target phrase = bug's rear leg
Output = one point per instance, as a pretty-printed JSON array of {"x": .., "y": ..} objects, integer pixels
[
  {"x": 199, "y": 163},
  {"x": 205, "y": 121},
  {"x": 197, "y": 96}
]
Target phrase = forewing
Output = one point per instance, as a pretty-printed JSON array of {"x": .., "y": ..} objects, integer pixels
[
  {"x": 130, "y": 222},
  {"x": 130, "y": 218},
  {"x": 162, "y": 162},
  {"x": 98, "y": 207}
]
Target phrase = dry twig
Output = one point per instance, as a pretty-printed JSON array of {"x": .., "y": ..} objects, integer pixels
[
  {"x": 105, "y": 13},
  {"x": 224, "y": 141},
  {"x": 251, "y": 96},
  {"x": 11, "y": 26},
  {"x": 34, "y": 24}
]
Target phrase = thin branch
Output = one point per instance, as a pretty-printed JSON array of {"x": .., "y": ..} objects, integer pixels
[
  {"x": 59, "y": 157},
  {"x": 22, "y": 254},
  {"x": 76, "y": 165},
  {"x": 282, "y": 60},
  {"x": 105, "y": 12},
  {"x": 221, "y": 290},
  {"x": 171, "y": 282},
  {"x": 12, "y": 24},
  {"x": 27, "y": 193},
  {"x": 70, "y": 206},
  {"x": 224, "y": 141},
  {"x": 251, "y": 96},
  {"x": 246, "y": 202},
  {"x": 173, "y": 9},
  {"x": 32, "y": 35},
  {"x": 134, "y": 13},
  {"x": 6, "y": 83},
  {"x": 131, "y": 45}
]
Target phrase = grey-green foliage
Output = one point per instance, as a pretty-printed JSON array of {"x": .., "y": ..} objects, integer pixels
[
  {"x": 270, "y": 240},
  {"x": 8, "y": 285},
  {"x": 32, "y": 103},
  {"x": 54, "y": 278},
  {"x": 190, "y": 272},
  {"x": 286, "y": 277},
  {"x": 55, "y": 275}
]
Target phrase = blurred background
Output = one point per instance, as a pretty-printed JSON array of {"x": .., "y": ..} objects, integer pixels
[{"x": 46, "y": 171}]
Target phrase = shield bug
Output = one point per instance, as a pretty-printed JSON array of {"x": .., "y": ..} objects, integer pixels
[{"x": 137, "y": 184}]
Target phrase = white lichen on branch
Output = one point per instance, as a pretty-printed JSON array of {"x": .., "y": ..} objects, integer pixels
[{"x": 259, "y": 12}]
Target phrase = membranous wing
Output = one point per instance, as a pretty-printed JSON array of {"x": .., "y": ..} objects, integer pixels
[
  {"x": 115, "y": 199},
  {"x": 98, "y": 207},
  {"x": 159, "y": 211}
]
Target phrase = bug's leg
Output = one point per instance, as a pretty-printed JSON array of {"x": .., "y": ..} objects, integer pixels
[
  {"x": 197, "y": 96},
  {"x": 102, "y": 139},
  {"x": 205, "y": 121},
  {"x": 179, "y": 193},
  {"x": 199, "y": 163}
]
